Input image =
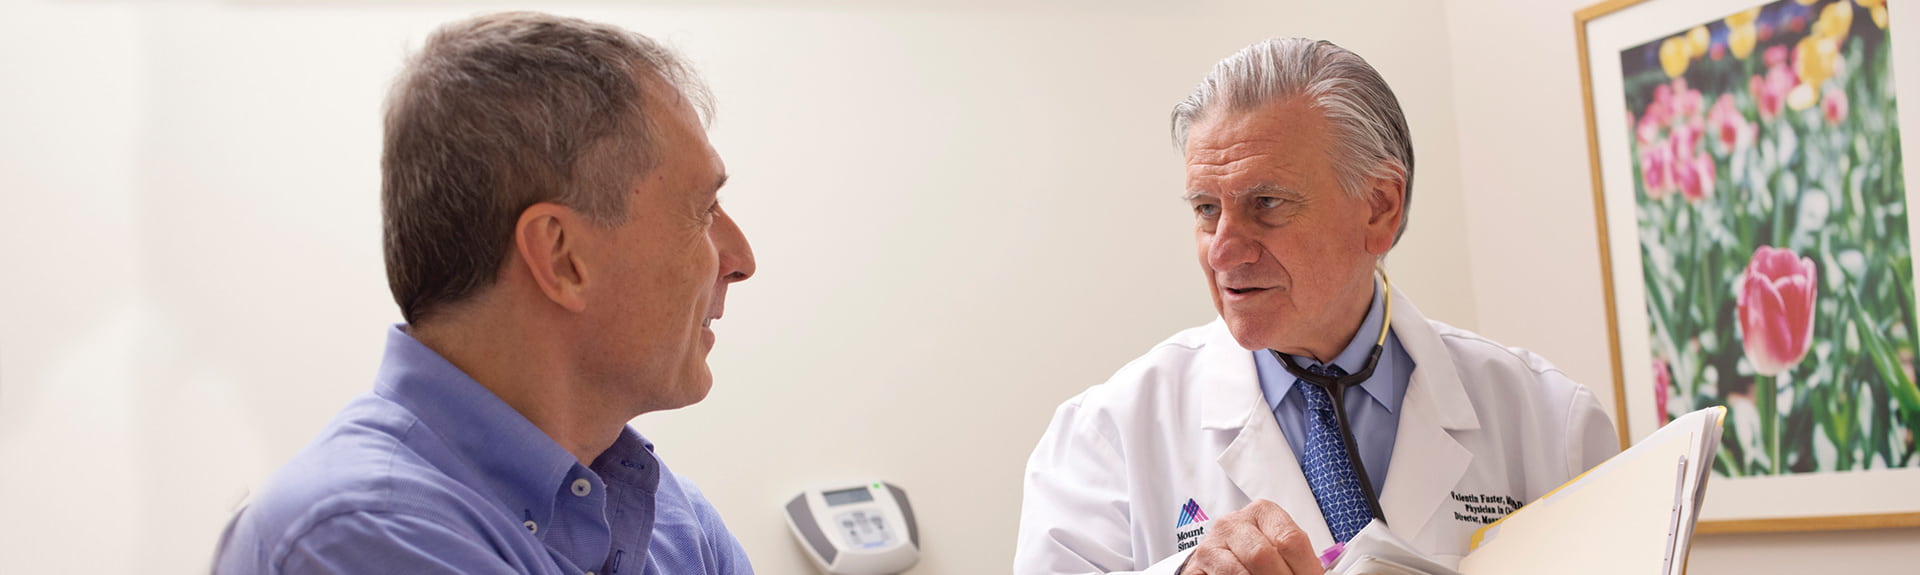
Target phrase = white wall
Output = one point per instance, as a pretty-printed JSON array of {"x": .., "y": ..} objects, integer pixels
[
  {"x": 1531, "y": 229},
  {"x": 963, "y": 212}
]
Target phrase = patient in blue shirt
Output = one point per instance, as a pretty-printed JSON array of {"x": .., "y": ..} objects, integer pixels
[
  {"x": 432, "y": 471},
  {"x": 553, "y": 240}
]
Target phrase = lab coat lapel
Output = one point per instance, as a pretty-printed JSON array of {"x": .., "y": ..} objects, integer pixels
[
  {"x": 1427, "y": 462},
  {"x": 1258, "y": 459}
]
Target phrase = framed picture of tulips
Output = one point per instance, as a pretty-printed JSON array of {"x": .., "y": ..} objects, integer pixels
[{"x": 1757, "y": 246}]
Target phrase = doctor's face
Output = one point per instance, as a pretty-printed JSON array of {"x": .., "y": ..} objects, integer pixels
[{"x": 1287, "y": 253}]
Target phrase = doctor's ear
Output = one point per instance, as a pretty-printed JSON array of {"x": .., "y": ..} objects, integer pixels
[
  {"x": 548, "y": 239},
  {"x": 1386, "y": 202}
]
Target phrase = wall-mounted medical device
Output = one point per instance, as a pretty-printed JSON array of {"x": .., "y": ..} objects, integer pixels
[{"x": 859, "y": 529}]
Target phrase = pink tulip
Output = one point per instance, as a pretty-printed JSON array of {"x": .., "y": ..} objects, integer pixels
[
  {"x": 1770, "y": 91},
  {"x": 1660, "y": 109},
  {"x": 1684, "y": 179},
  {"x": 1688, "y": 169},
  {"x": 1662, "y": 380},
  {"x": 1697, "y": 181},
  {"x": 1835, "y": 105},
  {"x": 1757, "y": 85},
  {"x": 1656, "y": 169},
  {"x": 1775, "y": 57},
  {"x": 1725, "y": 121},
  {"x": 1649, "y": 130},
  {"x": 1722, "y": 117},
  {"x": 1681, "y": 139},
  {"x": 1776, "y": 309},
  {"x": 1686, "y": 103},
  {"x": 1689, "y": 134}
]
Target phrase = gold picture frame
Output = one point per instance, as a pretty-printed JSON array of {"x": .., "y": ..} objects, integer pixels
[{"x": 1709, "y": 32}]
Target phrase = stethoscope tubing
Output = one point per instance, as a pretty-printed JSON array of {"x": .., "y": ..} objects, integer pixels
[{"x": 1336, "y": 389}]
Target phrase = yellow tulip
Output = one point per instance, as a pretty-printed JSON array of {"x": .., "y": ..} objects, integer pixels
[
  {"x": 1871, "y": 3},
  {"x": 1743, "y": 17},
  {"x": 1674, "y": 56},
  {"x": 1813, "y": 60},
  {"x": 1697, "y": 41},
  {"x": 1805, "y": 2},
  {"x": 1835, "y": 21},
  {"x": 1740, "y": 40},
  {"x": 1879, "y": 16}
]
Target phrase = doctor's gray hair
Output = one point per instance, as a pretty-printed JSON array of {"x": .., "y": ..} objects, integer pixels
[
  {"x": 503, "y": 111},
  {"x": 1369, "y": 130}
]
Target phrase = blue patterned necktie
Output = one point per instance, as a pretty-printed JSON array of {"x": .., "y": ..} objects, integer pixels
[{"x": 1335, "y": 484}]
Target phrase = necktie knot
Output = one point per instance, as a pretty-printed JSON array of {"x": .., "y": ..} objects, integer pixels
[{"x": 1328, "y": 370}]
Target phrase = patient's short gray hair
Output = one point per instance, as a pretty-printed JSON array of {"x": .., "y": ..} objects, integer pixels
[
  {"x": 1370, "y": 136},
  {"x": 500, "y": 112}
]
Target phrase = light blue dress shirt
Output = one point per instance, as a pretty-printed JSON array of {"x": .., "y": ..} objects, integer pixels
[
  {"x": 1373, "y": 406},
  {"x": 432, "y": 473}
]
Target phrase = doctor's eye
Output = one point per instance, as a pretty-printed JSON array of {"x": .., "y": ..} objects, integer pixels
[
  {"x": 1268, "y": 202},
  {"x": 1206, "y": 210}
]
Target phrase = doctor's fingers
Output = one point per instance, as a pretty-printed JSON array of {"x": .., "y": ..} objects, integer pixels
[
  {"x": 1237, "y": 546},
  {"x": 1287, "y": 537},
  {"x": 1213, "y": 561}
]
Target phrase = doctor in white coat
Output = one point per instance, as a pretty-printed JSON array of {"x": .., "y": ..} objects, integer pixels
[{"x": 1210, "y": 454}]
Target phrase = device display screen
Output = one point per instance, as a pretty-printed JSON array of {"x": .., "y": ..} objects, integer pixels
[{"x": 846, "y": 496}]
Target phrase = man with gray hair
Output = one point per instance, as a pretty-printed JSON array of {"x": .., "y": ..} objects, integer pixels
[
  {"x": 1321, "y": 400},
  {"x": 554, "y": 243}
]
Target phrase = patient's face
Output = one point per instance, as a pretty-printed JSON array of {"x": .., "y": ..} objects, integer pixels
[
  {"x": 1283, "y": 247},
  {"x": 669, "y": 267}
]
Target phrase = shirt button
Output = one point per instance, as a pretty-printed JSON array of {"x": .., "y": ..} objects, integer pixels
[
  {"x": 581, "y": 487},
  {"x": 531, "y": 526}
]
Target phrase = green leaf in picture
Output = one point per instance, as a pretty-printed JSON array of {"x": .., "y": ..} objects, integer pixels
[{"x": 1891, "y": 372}]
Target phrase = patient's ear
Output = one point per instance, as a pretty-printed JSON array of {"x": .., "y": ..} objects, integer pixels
[{"x": 547, "y": 239}]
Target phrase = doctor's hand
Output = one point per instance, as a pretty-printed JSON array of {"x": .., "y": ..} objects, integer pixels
[{"x": 1259, "y": 539}]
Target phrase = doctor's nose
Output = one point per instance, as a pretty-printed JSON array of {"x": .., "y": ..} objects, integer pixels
[{"x": 1231, "y": 244}]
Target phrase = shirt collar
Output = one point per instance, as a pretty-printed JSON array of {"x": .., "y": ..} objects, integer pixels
[
  {"x": 518, "y": 464},
  {"x": 1380, "y": 386}
]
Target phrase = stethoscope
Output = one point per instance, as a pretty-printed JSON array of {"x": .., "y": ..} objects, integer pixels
[{"x": 1336, "y": 389}]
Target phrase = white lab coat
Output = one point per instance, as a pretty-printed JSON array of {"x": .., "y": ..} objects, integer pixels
[{"x": 1482, "y": 427}]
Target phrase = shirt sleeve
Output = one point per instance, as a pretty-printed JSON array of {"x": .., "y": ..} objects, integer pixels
[
  {"x": 729, "y": 558},
  {"x": 1074, "y": 518},
  {"x": 382, "y": 542}
]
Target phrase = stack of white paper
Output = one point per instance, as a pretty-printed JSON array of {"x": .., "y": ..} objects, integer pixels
[
  {"x": 1633, "y": 514},
  {"x": 1377, "y": 551}
]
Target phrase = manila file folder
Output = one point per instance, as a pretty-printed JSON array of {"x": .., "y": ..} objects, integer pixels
[{"x": 1632, "y": 514}]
